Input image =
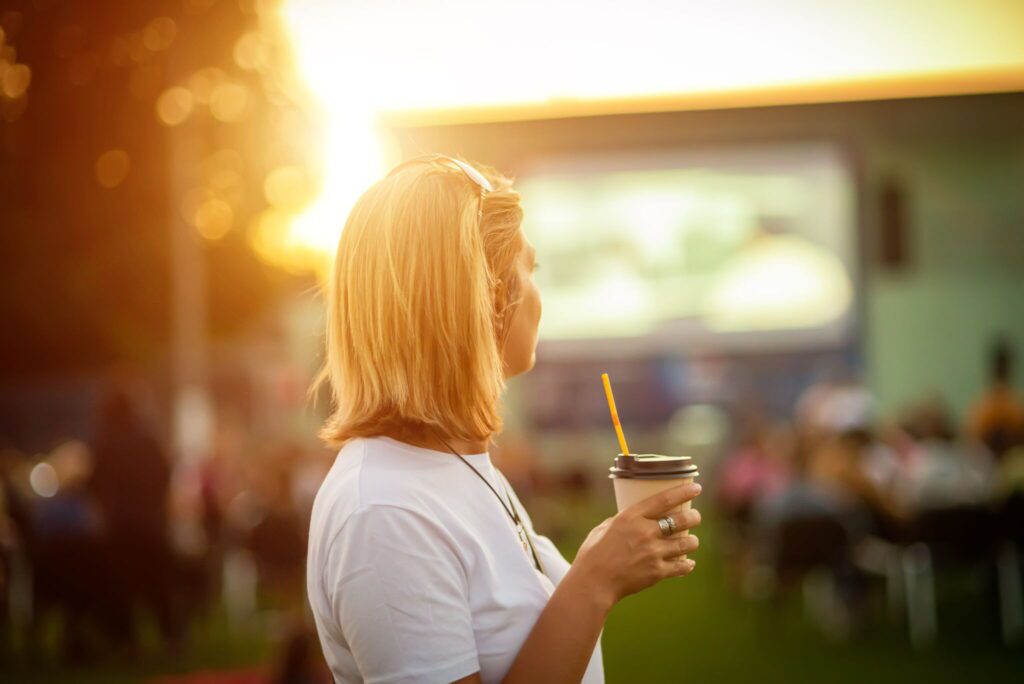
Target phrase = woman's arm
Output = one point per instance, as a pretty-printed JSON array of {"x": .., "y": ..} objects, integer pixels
[
  {"x": 562, "y": 640},
  {"x": 621, "y": 556}
]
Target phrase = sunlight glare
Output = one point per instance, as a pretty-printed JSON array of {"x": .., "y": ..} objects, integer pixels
[{"x": 362, "y": 60}]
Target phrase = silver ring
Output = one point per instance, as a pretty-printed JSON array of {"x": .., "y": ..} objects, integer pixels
[{"x": 667, "y": 525}]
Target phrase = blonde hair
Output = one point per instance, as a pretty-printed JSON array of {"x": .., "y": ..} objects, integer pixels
[{"x": 418, "y": 305}]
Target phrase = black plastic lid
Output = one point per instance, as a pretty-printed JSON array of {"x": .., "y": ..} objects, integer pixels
[{"x": 652, "y": 467}]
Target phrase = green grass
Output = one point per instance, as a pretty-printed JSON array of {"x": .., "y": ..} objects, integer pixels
[
  {"x": 211, "y": 646},
  {"x": 699, "y": 629}
]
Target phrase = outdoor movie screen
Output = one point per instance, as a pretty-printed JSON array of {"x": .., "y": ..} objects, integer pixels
[{"x": 746, "y": 245}]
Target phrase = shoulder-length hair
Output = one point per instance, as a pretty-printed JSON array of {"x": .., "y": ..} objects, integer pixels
[{"x": 418, "y": 304}]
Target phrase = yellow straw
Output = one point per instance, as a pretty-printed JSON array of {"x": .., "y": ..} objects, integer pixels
[{"x": 615, "y": 414}]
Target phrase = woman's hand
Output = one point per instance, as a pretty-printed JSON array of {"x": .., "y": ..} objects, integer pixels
[
  {"x": 621, "y": 556},
  {"x": 628, "y": 552}
]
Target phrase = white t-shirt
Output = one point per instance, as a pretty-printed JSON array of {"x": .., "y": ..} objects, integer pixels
[{"x": 415, "y": 572}]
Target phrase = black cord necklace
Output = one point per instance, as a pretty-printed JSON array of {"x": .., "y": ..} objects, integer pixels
[{"x": 510, "y": 509}]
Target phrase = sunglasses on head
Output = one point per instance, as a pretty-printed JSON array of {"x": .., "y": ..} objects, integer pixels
[{"x": 452, "y": 163}]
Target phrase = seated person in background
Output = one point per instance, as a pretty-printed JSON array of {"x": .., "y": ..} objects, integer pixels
[
  {"x": 841, "y": 464},
  {"x": 759, "y": 468},
  {"x": 1010, "y": 475},
  {"x": 842, "y": 472},
  {"x": 997, "y": 418},
  {"x": 850, "y": 459},
  {"x": 944, "y": 471}
]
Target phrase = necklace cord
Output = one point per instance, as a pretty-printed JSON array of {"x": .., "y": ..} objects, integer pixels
[{"x": 512, "y": 512}]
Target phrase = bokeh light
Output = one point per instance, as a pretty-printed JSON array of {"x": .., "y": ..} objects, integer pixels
[
  {"x": 112, "y": 168},
  {"x": 214, "y": 218},
  {"x": 251, "y": 52},
  {"x": 16, "y": 79},
  {"x": 228, "y": 102},
  {"x": 159, "y": 34},
  {"x": 203, "y": 82},
  {"x": 44, "y": 480},
  {"x": 175, "y": 105}
]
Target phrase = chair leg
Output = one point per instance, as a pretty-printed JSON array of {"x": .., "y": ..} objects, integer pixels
[
  {"x": 817, "y": 599},
  {"x": 824, "y": 604},
  {"x": 920, "y": 595},
  {"x": 20, "y": 593},
  {"x": 240, "y": 584},
  {"x": 894, "y": 590},
  {"x": 1011, "y": 610}
]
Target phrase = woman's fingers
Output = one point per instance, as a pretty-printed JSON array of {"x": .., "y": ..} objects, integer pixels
[
  {"x": 684, "y": 520},
  {"x": 678, "y": 545},
  {"x": 655, "y": 506},
  {"x": 677, "y": 567}
]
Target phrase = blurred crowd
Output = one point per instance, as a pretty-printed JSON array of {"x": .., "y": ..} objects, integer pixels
[
  {"x": 105, "y": 537},
  {"x": 842, "y": 495}
]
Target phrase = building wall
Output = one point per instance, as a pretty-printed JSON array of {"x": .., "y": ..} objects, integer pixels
[{"x": 929, "y": 325}]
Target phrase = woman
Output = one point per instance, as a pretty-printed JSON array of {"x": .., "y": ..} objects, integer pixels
[{"x": 423, "y": 565}]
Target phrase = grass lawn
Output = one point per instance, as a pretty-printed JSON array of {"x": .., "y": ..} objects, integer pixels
[
  {"x": 212, "y": 646},
  {"x": 699, "y": 629}
]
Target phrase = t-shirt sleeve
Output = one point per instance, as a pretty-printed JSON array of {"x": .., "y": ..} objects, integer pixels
[{"x": 400, "y": 595}]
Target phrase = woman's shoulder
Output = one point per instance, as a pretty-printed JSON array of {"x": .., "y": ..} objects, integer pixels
[
  {"x": 379, "y": 472},
  {"x": 375, "y": 492}
]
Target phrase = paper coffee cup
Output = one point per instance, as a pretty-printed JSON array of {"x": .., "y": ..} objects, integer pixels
[{"x": 640, "y": 476}]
